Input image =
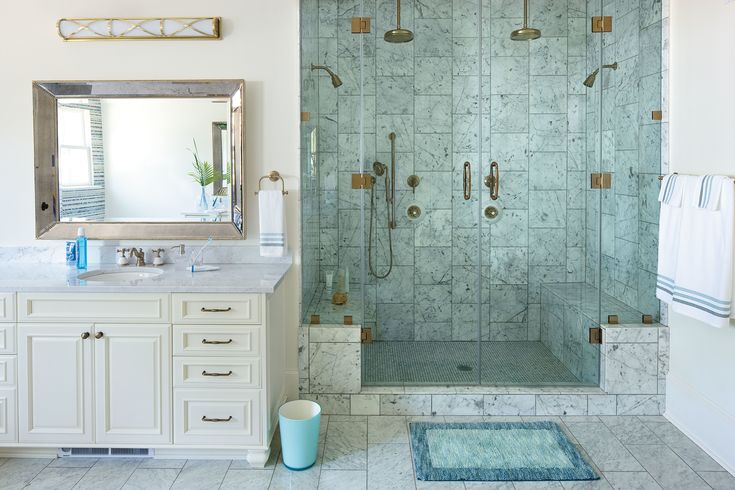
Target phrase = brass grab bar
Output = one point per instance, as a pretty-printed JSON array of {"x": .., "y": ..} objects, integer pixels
[
  {"x": 216, "y": 342},
  {"x": 216, "y": 310},
  {"x": 205, "y": 373},
  {"x": 206, "y": 419},
  {"x": 467, "y": 181},
  {"x": 493, "y": 180},
  {"x": 392, "y": 138}
]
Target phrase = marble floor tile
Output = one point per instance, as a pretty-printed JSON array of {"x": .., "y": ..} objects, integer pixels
[
  {"x": 631, "y": 480},
  {"x": 603, "y": 447},
  {"x": 687, "y": 450},
  {"x": 439, "y": 485},
  {"x": 390, "y": 467},
  {"x": 390, "y": 429},
  {"x": 719, "y": 480},
  {"x": 346, "y": 446},
  {"x": 250, "y": 479},
  {"x": 630, "y": 430},
  {"x": 343, "y": 479},
  {"x": 73, "y": 462},
  {"x": 162, "y": 463},
  {"x": 152, "y": 479},
  {"x": 489, "y": 485},
  {"x": 57, "y": 478},
  {"x": 538, "y": 485},
  {"x": 108, "y": 474},
  {"x": 667, "y": 468},
  {"x": 285, "y": 479},
  {"x": 601, "y": 484},
  {"x": 201, "y": 474},
  {"x": 19, "y": 472}
]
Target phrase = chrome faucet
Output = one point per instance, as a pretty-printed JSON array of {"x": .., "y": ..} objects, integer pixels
[{"x": 139, "y": 255}]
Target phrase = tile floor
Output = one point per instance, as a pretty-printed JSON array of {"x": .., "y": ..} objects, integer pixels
[{"x": 373, "y": 452}]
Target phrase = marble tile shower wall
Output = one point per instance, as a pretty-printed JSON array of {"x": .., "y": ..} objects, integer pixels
[
  {"x": 626, "y": 141},
  {"x": 533, "y": 123}
]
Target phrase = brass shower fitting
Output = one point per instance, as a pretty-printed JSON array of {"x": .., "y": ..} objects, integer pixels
[{"x": 392, "y": 138}]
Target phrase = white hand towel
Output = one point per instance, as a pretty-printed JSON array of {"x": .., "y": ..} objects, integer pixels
[
  {"x": 673, "y": 189},
  {"x": 703, "y": 281},
  {"x": 272, "y": 224}
]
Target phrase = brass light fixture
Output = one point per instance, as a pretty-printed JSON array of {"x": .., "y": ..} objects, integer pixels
[
  {"x": 120, "y": 29},
  {"x": 525, "y": 33}
]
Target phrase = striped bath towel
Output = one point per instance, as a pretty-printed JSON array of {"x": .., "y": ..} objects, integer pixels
[
  {"x": 701, "y": 282},
  {"x": 272, "y": 224}
]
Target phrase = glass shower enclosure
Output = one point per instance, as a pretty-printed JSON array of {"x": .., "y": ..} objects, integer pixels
[{"x": 455, "y": 198}]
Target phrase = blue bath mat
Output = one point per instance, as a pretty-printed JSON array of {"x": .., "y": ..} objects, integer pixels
[{"x": 496, "y": 451}]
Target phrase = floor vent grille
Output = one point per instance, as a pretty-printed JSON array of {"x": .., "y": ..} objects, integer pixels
[{"x": 103, "y": 452}]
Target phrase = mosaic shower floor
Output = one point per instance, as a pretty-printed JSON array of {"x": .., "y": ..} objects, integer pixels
[{"x": 431, "y": 363}]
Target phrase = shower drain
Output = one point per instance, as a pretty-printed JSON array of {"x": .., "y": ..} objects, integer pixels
[{"x": 464, "y": 367}]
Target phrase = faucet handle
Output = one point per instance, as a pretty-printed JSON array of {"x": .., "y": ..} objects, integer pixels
[
  {"x": 122, "y": 251},
  {"x": 157, "y": 251}
]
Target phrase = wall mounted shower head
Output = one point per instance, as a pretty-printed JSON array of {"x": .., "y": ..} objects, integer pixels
[
  {"x": 336, "y": 81},
  {"x": 399, "y": 34},
  {"x": 525, "y": 33},
  {"x": 590, "y": 80}
]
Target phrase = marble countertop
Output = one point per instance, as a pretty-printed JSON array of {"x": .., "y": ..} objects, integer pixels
[{"x": 231, "y": 278}]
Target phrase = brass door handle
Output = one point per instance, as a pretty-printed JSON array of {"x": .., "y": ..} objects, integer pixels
[
  {"x": 99, "y": 335},
  {"x": 493, "y": 180},
  {"x": 205, "y": 341},
  {"x": 467, "y": 181},
  {"x": 206, "y": 419},
  {"x": 216, "y": 310},
  {"x": 85, "y": 335},
  {"x": 205, "y": 373}
]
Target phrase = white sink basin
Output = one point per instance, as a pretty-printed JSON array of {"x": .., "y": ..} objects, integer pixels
[{"x": 120, "y": 275}]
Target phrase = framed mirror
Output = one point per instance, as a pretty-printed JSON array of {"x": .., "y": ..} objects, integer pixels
[{"x": 140, "y": 159}]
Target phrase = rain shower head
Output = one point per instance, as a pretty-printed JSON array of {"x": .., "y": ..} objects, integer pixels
[
  {"x": 336, "y": 81},
  {"x": 590, "y": 80},
  {"x": 525, "y": 33},
  {"x": 398, "y": 35}
]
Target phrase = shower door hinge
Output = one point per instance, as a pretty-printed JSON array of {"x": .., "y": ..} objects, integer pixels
[
  {"x": 602, "y": 23},
  {"x": 595, "y": 335},
  {"x": 305, "y": 116},
  {"x": 601, "y": 181},
  {"x": 657, "y": 115},
  {"x": 366, "y": 336},
  {"x": 360, "y": 25},
  {"x": 362, "y": 181}
]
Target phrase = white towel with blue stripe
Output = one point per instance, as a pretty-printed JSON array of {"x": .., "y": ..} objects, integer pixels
[
  {"x": 272, "y": 223},
  {"x": 701, "y": 282}
]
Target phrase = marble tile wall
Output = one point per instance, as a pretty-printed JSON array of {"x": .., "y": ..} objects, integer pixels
[{"x": 530, "y": 118}]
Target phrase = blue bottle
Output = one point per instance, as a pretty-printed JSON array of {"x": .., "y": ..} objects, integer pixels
[{"x": 81, "y": 249}]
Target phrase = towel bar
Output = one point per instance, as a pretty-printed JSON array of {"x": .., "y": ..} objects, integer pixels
[
  {"x": 273, "y": 176},
  {"x": 661, "y": 177}
]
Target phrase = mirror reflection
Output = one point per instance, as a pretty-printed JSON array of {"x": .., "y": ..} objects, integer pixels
[{"x": 145, "y": 159}]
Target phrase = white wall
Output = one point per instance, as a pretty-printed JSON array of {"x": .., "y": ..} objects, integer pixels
[
  {"x": 147, "y": 157},
  {"x": 260, "y": 44},
  {"x": 701, "y": 382}
]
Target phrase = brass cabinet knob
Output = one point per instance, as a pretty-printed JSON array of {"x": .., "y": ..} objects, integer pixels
[
  {"x": 99, "y": 335},
  {"x": 85, "y": 335}
]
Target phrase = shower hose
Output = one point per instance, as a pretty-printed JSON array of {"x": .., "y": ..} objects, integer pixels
[{"x": 373, "y": 268}]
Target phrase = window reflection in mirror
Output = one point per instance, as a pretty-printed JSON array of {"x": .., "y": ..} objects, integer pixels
[{"x": 144, "y": 159}]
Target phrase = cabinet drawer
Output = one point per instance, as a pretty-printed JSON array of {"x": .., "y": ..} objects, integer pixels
[
  {"x": 7, "y": 338},
  {"x": 217, "y": 417},
  {"x": 225, "y": 340},
  {"x": 7, "y": 371},
  {"x": 7, "y": 307},
  {"x": 8, "y": 425},
  {"x": 214, "y": 372},
  {"x": 97, "y": 307},
  {"x": 217, "y": 308}
]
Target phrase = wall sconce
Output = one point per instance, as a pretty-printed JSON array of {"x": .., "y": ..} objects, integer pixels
[{"x": 139, "y": 28}]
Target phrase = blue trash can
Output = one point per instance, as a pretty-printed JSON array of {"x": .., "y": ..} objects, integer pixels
[{"x": 299, "y": 424}]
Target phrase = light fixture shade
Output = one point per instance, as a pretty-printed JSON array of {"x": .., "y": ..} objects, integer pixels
[{"x": 85, "y": 29}]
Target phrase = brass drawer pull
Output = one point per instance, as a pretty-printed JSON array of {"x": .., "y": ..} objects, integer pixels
[
  {"x": 205, "y": 373},
  {"x": 99, "y": 335},
  {"x": 205, "y": 341},
  {"x": 216, "y": 310},
  {"x": 85, "y": 335},
  {"x": 205, "y": 419}
]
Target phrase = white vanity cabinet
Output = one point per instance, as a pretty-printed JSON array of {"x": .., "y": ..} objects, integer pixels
[{"x": 183, "y": 373}]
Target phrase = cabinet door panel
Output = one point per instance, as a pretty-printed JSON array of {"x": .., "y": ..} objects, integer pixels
[
  {"x": 8, "y": 416},
  {"x": 132, "y": 384},
  {"x": 54, "y": 384}
]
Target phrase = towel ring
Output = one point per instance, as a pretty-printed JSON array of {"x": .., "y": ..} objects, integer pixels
[{"x": 273, "y": 176}]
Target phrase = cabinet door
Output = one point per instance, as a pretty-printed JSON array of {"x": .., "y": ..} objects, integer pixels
[
  {"x": 55, "y": 383},
  {"x": 132, "y": 384}
]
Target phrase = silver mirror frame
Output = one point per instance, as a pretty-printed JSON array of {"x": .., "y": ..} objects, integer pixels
[{"x": 45, "y": 145}]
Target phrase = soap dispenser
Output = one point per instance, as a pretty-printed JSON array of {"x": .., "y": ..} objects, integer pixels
[
  {"x": 157, "y": 259},
  {"x": 122, "y": 260},
  {"x": 81, "y": 248}
]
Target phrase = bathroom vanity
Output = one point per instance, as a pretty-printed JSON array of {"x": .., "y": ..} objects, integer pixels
[{"x": 188, "y": 365}]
